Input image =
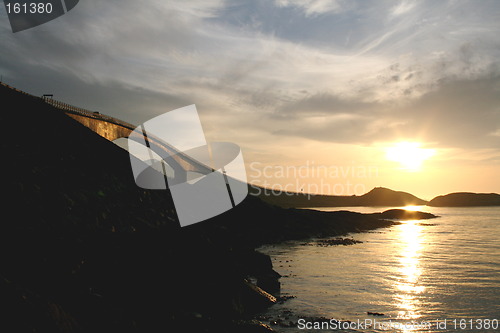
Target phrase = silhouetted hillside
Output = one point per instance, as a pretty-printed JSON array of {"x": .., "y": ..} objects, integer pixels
[
  {"x": 465, "y": 199},
  {"x": 83, "y": 249},
  {"x": 379, "y": 196}
]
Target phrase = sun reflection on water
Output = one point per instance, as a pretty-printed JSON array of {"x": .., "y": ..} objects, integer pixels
[
  {"x": 414, "y": 208},
  {"x": 408, "y": 272}
]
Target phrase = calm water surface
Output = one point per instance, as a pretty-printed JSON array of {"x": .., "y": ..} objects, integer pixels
[{"x": 419, "y": 272}]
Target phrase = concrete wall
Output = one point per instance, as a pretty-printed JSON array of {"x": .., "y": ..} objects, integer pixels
[
  {"x": 105, "y": 129},
  {"x": 112, "y": 131}
]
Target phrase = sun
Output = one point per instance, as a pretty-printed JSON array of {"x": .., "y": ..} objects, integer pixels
[{"x": 409, "y": 155}]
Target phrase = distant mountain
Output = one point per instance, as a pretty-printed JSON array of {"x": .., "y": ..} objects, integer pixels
[
  {"x": 466, "y": 199},
  {"x": 378, "y": 196},
  {"x": 381, "y": 196}
]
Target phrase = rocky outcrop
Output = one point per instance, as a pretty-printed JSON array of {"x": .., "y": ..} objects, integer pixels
[{"x": 402, "y": 214}]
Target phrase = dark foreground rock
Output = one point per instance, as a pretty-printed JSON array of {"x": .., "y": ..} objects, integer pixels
[
  {"x": 334, "y": 242},
  {"x": 83, "y": 249}
]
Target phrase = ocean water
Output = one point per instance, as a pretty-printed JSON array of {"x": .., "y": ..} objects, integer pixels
[{"x": 414, "y": 275}]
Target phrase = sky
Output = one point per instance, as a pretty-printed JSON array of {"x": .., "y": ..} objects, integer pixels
[{"x": 315, "y": 92}]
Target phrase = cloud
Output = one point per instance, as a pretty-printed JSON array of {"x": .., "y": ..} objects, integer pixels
[
  {"x": 402, "y": 8},
  {"x": 312, "y": 7},
  {"x": 457, "y": 114},
  {"x": 332, "y": 71}
]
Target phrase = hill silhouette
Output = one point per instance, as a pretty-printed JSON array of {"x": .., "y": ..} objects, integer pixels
[
  {"x": 83, "y": 249},
  {"x": 466, "y": 199},
  {"x": 379, "y": 196}
]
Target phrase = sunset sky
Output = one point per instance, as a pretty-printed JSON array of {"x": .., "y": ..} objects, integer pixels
[{"x": 400, "y": 94}]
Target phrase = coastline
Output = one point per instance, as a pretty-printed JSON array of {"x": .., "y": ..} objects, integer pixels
[{"x": 442, "y": 269}]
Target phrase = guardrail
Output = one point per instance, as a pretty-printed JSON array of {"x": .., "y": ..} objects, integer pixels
[
  {"x": 74, "y": 109},
  {"x": 86, "y": 113},
  {"x": 68, "y": 108}
]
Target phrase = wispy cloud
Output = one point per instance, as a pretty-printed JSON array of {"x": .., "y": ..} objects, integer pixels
[
  {"x": 403, "y": 7},
  {"x": 349, "y": 72},
  {"x": 312, "y": 7}
]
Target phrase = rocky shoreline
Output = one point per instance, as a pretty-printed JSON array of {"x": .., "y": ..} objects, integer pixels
[{"x": 86, "y": 250}]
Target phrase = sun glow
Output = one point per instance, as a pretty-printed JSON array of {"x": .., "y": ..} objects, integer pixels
[
  {"x": 409, "y": 155},
  {"x": 413, "y": 208}
]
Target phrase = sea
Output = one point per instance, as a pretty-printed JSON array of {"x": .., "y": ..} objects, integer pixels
[{"x": 436, "y": 275}]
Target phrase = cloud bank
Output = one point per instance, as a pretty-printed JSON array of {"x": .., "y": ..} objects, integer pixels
[{"x": 350, "y": 72}]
